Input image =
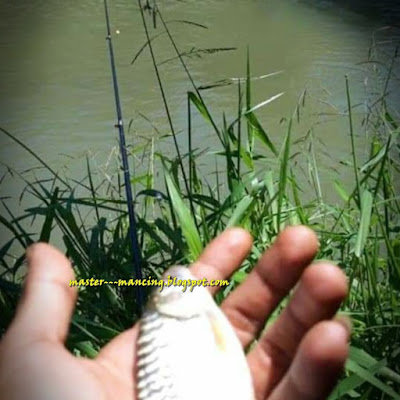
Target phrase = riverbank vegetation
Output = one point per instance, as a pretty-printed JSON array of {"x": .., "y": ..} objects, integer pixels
[{"x": 256, "y": 184}]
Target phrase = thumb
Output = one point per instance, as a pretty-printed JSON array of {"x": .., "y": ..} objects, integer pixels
[{"x": 47, "y": 303}]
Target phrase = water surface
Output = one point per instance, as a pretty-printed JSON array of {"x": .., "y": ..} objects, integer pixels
[{"x": 56, "y": 92}]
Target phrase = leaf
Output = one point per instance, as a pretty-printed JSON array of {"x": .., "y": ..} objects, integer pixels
[
  {"x": 4, "y": 250},
  {"x": 245, "y": 156},
  {"x": 87, "y": 349},
  {"x": 46, "y": 228},
  {"x": 201, "y": 107},
  {"x": 299, "y": 207},
  {"x": 374, "y": 160},
  {"x": 240, "y": 210},
  {"x": 366, "y": 209},
  {"x": 368, "y": 376},
  {"x": 153, "y": 235},
  {"x": 152, "y": 193},
  {"x": 189, "y": 229},
  {"x": 206, "y": 201},
  {"x": 258, "y": 131},
  {"x": 341, "y": 191},
  {"x": 283, "y": 171},
  {"x": 264, "y": 103},
  {"x": 239, "y": 276},
  {"x": 272, "y": 194},
  {"x": 352, "y": 382}
]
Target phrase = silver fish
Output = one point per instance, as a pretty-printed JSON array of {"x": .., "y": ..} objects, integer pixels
[{"x": 187, "y": 348}]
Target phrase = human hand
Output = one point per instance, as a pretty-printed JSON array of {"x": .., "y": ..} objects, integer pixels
[{"x": 299, "y": 357}]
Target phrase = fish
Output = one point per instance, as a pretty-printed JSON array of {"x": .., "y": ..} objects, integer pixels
[{"x": 187, "y": 348}]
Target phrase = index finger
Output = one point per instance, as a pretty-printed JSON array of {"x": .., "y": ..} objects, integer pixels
[{"x": 223, "y": 256}]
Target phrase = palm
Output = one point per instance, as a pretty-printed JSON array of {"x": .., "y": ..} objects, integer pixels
[{"x": 299, "y": 357}]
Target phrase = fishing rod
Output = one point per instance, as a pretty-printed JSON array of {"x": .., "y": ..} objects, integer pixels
[{"x": 125, "y": 165}]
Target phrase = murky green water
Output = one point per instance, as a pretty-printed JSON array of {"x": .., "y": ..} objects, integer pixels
[{"x": 56, "y": 92}]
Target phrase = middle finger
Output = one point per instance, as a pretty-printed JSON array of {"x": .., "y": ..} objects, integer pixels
[
  {"x": 275, "y": 274},
  {"x": 322, "y": 289}
]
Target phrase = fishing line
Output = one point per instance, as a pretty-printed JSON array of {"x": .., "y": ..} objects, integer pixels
[{"x": 125, "y": 165}]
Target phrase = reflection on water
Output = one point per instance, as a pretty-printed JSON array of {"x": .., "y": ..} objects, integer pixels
[{"x": 56, "y": 83}]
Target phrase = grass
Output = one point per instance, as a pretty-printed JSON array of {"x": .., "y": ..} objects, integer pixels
[{"x": 181, "y": 212}]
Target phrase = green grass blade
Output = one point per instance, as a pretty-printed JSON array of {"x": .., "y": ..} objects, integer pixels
[
  {"x": 353, "y": 146},
  {"x": 185, "y": 219},
  {"x": 352, "y": 382},
  {"x": 201, "y": 107},
  {"x": 47, "y": 226},
  {"x": 365, "y": 218},
  {"x": 368, "y": 376},
  {"x": 284, "y": 172},
  {"x": 341, "y": 191},
  {"x": 258, "y": 131},
  {"x": 238, "y": 214},
  {"x": 264, "y": 103}
]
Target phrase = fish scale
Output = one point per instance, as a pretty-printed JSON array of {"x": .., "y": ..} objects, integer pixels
[{"x": 187, "y": 349}]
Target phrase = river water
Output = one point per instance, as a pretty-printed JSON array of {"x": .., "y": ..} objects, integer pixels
[{"x": 56, "y": 91}]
